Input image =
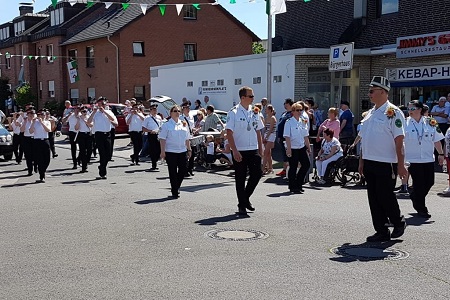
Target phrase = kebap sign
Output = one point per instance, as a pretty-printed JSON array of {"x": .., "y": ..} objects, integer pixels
[
  {"x": 436, "y": 72},
  {"x": 423, "y": 45}
]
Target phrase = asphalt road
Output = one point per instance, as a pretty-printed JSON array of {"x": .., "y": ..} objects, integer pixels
[{"x": 75, "y": 237}]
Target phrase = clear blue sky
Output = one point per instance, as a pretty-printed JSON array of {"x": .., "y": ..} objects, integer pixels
[{"x": 252, "y": 14}]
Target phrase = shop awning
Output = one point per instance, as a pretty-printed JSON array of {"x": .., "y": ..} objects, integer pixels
[{"x": 421, "y": 83}]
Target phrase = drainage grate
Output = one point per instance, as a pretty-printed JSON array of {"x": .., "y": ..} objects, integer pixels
[
  {"x": 368, "y": 252},
  {"x": 236, "y": 234}
]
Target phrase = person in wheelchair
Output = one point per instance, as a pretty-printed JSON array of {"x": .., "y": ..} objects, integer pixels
[{"x": 330, "y": 151}]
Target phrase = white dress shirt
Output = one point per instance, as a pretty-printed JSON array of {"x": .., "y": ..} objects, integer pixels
[
  {"x": 72, "y": 122},
  {"x": 296, "y": 131},
  {"x": 26, "y": 131},
  {"x": 83, "y": 126},
  {"x": 152, "y": 123},
  {"x": 244, "y": 123},
  {"x": 135, "y": 123},
  {"x": 102, "y": 122},
  {"x": 176, "y": 135},
  {"x": 419, "y": 140},
  {"x": 39, "y": 131},
  {"x": 378, "y": 132}
]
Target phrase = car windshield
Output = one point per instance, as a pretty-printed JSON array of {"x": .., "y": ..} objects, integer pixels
[
  {"x": 117, "y": 110},
  {"x": 3, "y": 130}
]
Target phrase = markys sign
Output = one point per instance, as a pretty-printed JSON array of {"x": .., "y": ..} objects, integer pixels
[
  {"x": 423, "y": 45},
  {"x": 436, "y": 72}
]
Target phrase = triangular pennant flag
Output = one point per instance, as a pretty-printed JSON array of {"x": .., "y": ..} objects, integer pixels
[
  {"x": 36, "y": 57},
  {"x": 49, "y": 58},
  {"x": 72, "y": 2},
  {"x": 30, "y": 57},
  {"x": 125, "y": 5},
  {"x": 196, "y": 5},
  {"x": 1, "y": 54},
  {"x": 162, "y": 9},
  {"x": 89, "y": 4},
  {"x": 144, "y": 8},
  {"x": 179, "y": 8},
  {"x": 108, "y": 4},
  {"x": 232, "y": 1},
  {"x": 23, "y": 57},
  {"x": 54, "y": 2},
  {"x": 54, "y": 57}
]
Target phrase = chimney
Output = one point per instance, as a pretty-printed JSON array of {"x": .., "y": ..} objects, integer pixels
[{"x": 25, "y": 10}]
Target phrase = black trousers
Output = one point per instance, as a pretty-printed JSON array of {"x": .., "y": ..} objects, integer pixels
[
  {"x": 83, "y": 141},
  {"x": 42, "y": 154},
  {"x": 113, "y": 137},
  {"x": 251, "y": 161},
  {"x": 296, "y": 179},
  {"x": 73, "y": 147},
  {"x": 380, "y": 191},
  {"x": 154, "y": 148},
  {"x": 89, "y": 146},
  {"x": 17, "y": 147},
  {"x": 136, "y": 139},
  {"x": 51, "y": 140},
  {"x": 176, "y": 163},
  {"x": 190, "y": 163},
  {"x": 28, "y": 145},
  {"x": 103, "y": 141},
  {"x": 422, "y": 175}
]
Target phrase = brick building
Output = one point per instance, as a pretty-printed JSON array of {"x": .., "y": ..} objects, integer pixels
[
  {"x": 394, "y": 38},
  {"x": 115, "y": 47}
]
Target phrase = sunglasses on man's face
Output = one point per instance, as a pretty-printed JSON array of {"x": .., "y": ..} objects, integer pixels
[{"x": 175, "y": 111}]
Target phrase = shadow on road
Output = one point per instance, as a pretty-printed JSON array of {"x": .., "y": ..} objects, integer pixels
[
  {"x": 200, "y": 187},
  {"x": 282, "y": 194},
  {"x": 135, "y": 171},
  {"x": 277, "y": 180},
  {"x": 416, "y": 220},
  {"x": 14, "y": 177},
  {"x": 18, "y": 184},
  {"x": 363, "y": 252},
  {"x": 223, "y": 219},
  {"x": 79, "y": 181},
  {"x": 11, "y": 171},
  {"x": 120, "y": 166},
  {"x": 150, "y": 201}
]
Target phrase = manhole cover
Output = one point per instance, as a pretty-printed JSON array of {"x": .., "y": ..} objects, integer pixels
[
  {"x": 369, "y": 252},
  {"x": 236, "y": 234}
]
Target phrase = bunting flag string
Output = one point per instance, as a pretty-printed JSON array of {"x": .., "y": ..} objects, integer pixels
[{"x": 35, "y": 57}]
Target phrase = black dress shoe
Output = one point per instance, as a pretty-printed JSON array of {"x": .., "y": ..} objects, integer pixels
[
  {"x": 175, "y": 195},
  {"x": 137, "y": 163},
  {"x": 242, "y": 212},
  {"x": 30, "y": 174},
  {"x": 55, "y": 155},
  {"x": 250, "y": 207},
  {"x": 191, "y": 173},
  {"x": 83, "y": 171},
  {"x": 295, "y": 191},
  {"x": 424, "y": 214},
  {"x": 379, "y": 237},
  {"x": 100, "y": 178},
  {"x": 74, "y": 167},
  {"x": 398, "y": 230}
]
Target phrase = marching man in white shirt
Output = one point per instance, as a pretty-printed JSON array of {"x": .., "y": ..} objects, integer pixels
[
  {"x": 382, "y": 158},
  {"x": 244, "y": 135},
  {"x": 134, "y": 121},
  {"x": 102, "y": 120},
  {"x": 83, "y": 127},
  {"x": 151, "y": 126},
  {"x": 422, "y": 136},
  {"x": 72, "y": 118},
  {"x": 40, "y": 127},
  {"x": 28, "y": 143}
]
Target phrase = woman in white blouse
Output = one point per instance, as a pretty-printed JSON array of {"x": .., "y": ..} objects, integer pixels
[
  {"x": 175, "y": 148},
  {"x": 330, "y": 151},
  {"x": 422, "y": 136}
]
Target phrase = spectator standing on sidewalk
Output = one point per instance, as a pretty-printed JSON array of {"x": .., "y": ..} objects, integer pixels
[
  {"x": 440, "y": 112},
  {"x": 244, "y": 136},
  {"x": 382, "y": 158},
  {"x": 280, "y": 129}
]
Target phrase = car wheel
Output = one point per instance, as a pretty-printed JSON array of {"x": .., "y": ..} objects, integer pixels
[{"x": 8, "y": 156}]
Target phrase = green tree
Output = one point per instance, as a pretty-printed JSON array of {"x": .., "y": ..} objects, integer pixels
[
  {"x": 257, "y": 48},
  {"x": 25, "y": 95}
]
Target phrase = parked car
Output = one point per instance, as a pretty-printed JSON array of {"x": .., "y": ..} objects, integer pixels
[
  {"x": 165, "y": 103},
  {"x": 116, "y": 108},
  {"x": 6, "y": 146}
]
